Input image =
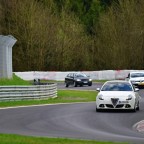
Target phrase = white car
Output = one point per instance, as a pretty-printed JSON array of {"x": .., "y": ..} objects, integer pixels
[
  {"x": 136, "y": 78},
  {"x": 117, "y": 94}
]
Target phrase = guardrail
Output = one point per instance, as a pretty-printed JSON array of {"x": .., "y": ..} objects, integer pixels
[{"x": 12, "y": 93}]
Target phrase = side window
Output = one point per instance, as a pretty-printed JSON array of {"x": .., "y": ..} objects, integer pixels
[
  {"x": 68, "y": 75},
  {"x": 71, "y": 75},
  {"x": 74, "y": 75}
]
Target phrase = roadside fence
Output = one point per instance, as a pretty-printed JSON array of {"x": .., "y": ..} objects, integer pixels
[{"x": 13, "y": 93}]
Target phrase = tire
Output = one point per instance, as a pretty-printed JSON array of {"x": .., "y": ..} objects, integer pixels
[
  {"x": 135, "y": 109},
  {"x": 89, "y": 84},
  {"x": 66, "y": 85},
  {"x": 97, "y": 110},
  {"x": 138, "y": 107},
  {"x": 75, "y": 84}
]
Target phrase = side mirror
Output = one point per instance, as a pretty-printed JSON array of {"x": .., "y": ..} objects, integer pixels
[{"x": 98, "y": 89}]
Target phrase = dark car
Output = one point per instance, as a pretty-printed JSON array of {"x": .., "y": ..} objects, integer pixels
[{"x": 77, "y": 79}]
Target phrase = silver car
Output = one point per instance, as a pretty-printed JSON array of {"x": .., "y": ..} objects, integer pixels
[{"x": 136, "y": 78}]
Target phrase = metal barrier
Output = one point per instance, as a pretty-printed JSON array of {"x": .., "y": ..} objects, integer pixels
[{"x": 12, "y": 93}]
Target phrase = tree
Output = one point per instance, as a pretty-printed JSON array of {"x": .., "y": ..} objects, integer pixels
[
  {"x": 71, "y": 45},
  {"x": 121, "y": 36},
  {"x": 34, "y": 27},
  {"x": 86, "y": 10}
]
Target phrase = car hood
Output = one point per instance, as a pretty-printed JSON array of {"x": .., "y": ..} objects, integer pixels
[
  {"x": 116, "y": 94},
  {"x": 137, "y": 79},
  {"x": 82, "y": 78}
]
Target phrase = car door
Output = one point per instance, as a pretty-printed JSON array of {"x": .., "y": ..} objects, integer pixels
[
  {"x": 67, "y": 79},
  {"x": 71, "y": 80}
]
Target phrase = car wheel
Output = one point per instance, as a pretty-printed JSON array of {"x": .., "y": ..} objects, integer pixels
[
  {"x": 66, "y": 84},
  {"x": 135, "y": 109},
  {"x": 75, "y": 84},
  {"x": 89, "y": 84},
  {"x": 138, "y": 107},
  {"x": 97, "y": 110}
]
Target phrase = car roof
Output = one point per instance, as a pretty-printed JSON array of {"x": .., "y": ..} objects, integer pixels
[
  {"x": 137, "y": 72},
  {"x": 117, "y": 81},
  {"x": 76, "y": 73}
]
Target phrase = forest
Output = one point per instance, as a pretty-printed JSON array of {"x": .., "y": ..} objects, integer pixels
[{"x": 74, "y": 35}]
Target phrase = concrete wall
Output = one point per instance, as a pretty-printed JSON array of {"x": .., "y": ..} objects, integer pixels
[{"x": 95, "y": 75}]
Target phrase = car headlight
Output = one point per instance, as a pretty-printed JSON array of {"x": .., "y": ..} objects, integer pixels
[
  {"x": 129, "y": 97},
  {"x": 100, "y": 97},
  {"x": 78, "y": 80},
  {"x": 90, "y": 79}
]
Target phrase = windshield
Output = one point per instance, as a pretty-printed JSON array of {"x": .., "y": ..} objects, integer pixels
[
  {"x": 133, "y": 75},
  {"x": 81, "y": 75},
  {"x": 117, "y": 86}
]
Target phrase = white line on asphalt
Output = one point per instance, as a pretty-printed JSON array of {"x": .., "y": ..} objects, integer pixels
[{"x": 41, "y": 105}]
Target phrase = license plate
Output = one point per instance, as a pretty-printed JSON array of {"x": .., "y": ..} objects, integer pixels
[
  {"x": 123, "y": 102},
  {"x": 85, "y": 82}
]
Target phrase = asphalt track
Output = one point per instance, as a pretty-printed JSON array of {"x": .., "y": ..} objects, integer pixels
[{"x": 77, "y": 120}]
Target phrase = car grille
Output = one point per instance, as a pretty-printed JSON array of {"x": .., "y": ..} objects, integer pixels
[
  {"x": 119, "y": 105},
  {"x": 114, "y": 101},
  {"x": 136, "y": 81},
  {"x": 84, "y": 80},
  {"x": 109, "y": 106}
]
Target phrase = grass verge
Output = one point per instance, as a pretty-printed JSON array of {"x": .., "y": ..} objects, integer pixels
[
  {"x": 17, "y": 139},
  {"x": 64, "y": 96},
  {"x": 14, "y": 81}
]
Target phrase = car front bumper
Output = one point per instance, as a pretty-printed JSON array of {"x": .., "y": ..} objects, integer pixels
[
  {"x": 138, "y": 83},
  {"x": 84, "y": 82},
  {"x": 123, "y": 104}
]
